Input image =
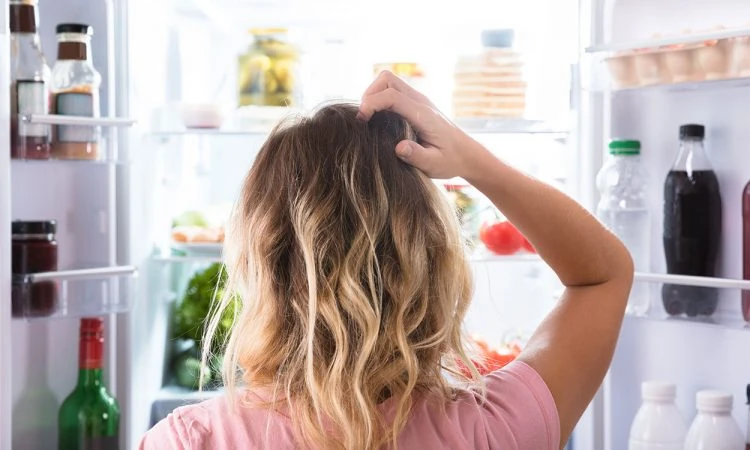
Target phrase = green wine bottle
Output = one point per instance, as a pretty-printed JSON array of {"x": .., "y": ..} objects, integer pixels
[{"x": 90, "y": 417}]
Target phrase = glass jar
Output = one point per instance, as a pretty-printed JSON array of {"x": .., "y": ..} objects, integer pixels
[
  {"x": 466, "y": 201},
  {"x": 75, "y": 92},
  {"x": 29, "y": 91},
  {"x": 269, "y": 70},
  {"x": 34, "y": 250}
]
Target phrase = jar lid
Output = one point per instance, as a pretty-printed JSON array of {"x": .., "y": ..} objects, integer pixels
[
  {"x": 658, "y": 391},
  {"x": 34, "y": 227},
  {"x": 498, "y": 38},
  {"x": 78, "y": 28},
  {"x": 267, "y": 31},
  {"x": 713, "y": 401},
  {"x": 624, "y": 147}
]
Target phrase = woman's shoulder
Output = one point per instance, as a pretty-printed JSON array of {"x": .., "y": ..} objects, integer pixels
[
  {"x": 517, "y": 412},
  {"x": 220, "y": 422}
]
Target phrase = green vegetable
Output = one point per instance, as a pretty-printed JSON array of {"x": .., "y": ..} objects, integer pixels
[
  {"x": 187, "y": 370},
  {"x": 192, "y": 315},
  {"x": 190, "y": 219}
]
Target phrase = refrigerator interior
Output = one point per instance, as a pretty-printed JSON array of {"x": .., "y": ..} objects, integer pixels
[
  {"x": 189, "y": 55},
  {"x": 157, "y": 54},
  {"x": 693, "y": 354}
]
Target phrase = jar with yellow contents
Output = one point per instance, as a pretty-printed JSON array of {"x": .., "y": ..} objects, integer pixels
[{"x": 269, "y": 70}]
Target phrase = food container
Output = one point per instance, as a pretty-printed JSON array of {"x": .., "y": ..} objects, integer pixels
[
  {"x": 269, "y": 70},
  {"x": 713, "y": 59},
  {"x": 203, "y": 116},
  {"x": 34, "y": 250},
  {"x": 622, "y": 70},
  {"x": 680, "y": 62},
  {"x": 650, "y": 67},
  {"x": 740, "y": 59}
]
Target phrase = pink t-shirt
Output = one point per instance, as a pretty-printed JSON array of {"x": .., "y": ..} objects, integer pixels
[{"x": 519, "y": 413}]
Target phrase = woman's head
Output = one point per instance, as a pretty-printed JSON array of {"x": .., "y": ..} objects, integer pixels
[{"x": 351, "y": 273}]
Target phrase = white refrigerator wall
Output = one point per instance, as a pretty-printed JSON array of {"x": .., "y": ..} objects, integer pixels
[{"x": 692, "y": 355}]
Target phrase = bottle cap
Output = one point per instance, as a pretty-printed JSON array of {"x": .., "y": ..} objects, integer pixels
[
  {"x": 33, "y": 227},
  {"x": 78, "y": 28},
  {"x": 498, "y": 38},
  {"x": 713, "y": 401},
  {"x": 624, "y": 147},
  {"x": 658, "y": 391},
  {"x": 92, "y": 325},
  {"x": 692, "y": 131}
]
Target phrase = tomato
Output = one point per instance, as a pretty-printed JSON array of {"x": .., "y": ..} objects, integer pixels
[
  {"x": 527, "y": 246},
  {"x": 501, "y": 238}
]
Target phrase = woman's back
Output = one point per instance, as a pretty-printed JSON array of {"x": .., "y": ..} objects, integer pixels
[{"x": 518, "y": 413}]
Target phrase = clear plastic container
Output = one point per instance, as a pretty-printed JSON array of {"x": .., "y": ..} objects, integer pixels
[
  {"x": 714, "y": 428},
  {"x": 624, "y": 209},
  {"x": 658, "y": 425},
  {"x": 75, "y": 92}
]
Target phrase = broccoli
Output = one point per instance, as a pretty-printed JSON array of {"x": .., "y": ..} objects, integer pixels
[{"x": 192, "y": 315}]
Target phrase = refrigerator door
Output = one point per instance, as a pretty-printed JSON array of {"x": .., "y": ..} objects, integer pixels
[{"x": 694, "y": 354}]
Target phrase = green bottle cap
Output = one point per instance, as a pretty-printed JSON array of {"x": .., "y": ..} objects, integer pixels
[{"x": 624, "y": 147}]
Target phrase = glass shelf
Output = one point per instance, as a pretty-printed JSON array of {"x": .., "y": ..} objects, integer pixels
[
  {"x": 187, "y": 259},
  {"x": 52, "y": 119},
  {"x": 217, "y": 132},
  {"x": 72, "y": 293},
  {"x": 510, "y": 126}
]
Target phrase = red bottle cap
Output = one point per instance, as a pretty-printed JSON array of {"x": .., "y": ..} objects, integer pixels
[{"x": 91, "y": 351}]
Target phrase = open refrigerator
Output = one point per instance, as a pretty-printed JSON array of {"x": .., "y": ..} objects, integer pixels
[{"x": 156, "y": 56}]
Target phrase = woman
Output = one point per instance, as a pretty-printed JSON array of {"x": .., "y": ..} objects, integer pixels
[{"x": 354, "y": 285}]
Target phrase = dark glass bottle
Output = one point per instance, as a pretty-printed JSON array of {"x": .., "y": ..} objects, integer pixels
[{"x": 90, "y": 417}]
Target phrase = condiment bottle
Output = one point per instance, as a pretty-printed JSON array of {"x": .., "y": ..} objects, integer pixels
[
  {"x": 29, "y": 91},
  {"x": 34, "y": 250},
  {"x": 75, "y": 92},
  {"x": 714, "y": 428}
]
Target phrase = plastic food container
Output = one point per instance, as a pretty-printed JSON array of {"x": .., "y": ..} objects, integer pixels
[
  {"x": 269, "y": 70},
  {"x": 201, "y": 116}
]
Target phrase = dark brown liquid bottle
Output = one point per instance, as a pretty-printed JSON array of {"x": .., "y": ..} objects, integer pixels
[{"x": 746, "y": 249}]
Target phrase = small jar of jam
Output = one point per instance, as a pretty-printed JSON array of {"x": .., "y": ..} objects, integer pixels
[{"x": 34, "y": 250}]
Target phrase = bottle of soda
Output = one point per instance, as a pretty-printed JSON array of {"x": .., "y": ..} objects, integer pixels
[
  {"x": 623, "y": 209},
  {"x": 692, "y": 225}
]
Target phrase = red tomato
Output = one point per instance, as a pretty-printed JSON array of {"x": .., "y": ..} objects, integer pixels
[
  {"x": 501, "y": 238},
  {"x": 527, "y": 246}
]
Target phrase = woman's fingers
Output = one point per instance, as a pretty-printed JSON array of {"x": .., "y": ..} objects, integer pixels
[
  {"x": 394, "y": 100},
  {"x": 424, "y": 159},
  {"x": 387, "y": 79}
]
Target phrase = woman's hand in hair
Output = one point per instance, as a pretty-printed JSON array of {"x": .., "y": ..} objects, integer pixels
[{"x": 444, "y": 150}]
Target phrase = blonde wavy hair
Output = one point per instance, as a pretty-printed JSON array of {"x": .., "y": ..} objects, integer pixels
[{"x": 351, "y": 277}]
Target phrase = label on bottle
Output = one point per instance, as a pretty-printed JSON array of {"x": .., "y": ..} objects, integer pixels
[
  {"x": 79, "y": 104},
  {"x": 100, "y": 443},
  {"x": 31, "y": 98}
]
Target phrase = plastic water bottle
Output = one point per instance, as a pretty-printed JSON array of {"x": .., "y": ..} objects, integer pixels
[
  {"x": 714, "y": 428},
  {"x": 658, "y": 425},
  {"x": 623, "y": 208}
]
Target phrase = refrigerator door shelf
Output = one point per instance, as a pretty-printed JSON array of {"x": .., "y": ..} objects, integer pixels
[
  {"x": 724, "y": 293},
  {"x": 53, "y": 119},
  {"x": 670, "y": 41},
  {"x": 72, "y": 293}
]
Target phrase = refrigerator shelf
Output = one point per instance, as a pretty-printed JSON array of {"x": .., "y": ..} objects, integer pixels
[
  {"x": 681, "y": 40},
  {"x": 72, "y": 293},
  {"x": 52, "y": 119},
  {"x": 187, "y": 259},
  {"x": 501, "y": 126},
  {"x": 217, "y": 132},
  {"x": 687, "y": 280}
]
